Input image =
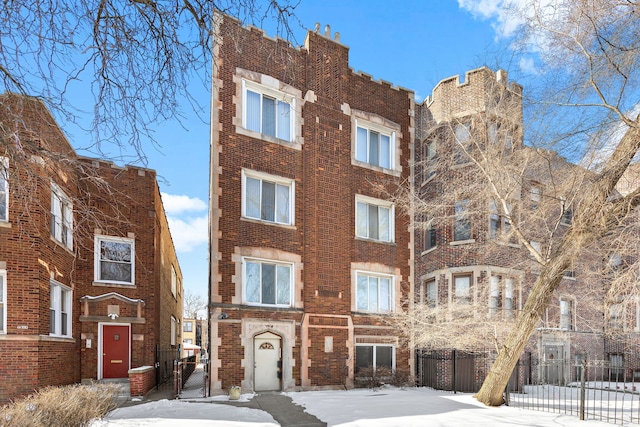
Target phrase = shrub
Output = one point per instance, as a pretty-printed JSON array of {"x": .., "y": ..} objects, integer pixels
[
  {"x": 68, "y": 406},
  {"x": 373, "y": 379}
]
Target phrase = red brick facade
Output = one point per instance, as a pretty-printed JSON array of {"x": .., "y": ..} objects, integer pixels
[
  {"x": 320, "y": 326},
  {"x": 48, "y": 266}
]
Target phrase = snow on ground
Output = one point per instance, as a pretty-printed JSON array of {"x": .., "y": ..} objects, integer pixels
[
  {"x": 417, "y": 407},
  {"x": 172, "y": 413},
  {"x": 387, "y": 407}
]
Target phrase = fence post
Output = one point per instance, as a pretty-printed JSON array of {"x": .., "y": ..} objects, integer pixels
[
  {"x": 453, "y": 376},
  {"x": 583, "y": 382}
]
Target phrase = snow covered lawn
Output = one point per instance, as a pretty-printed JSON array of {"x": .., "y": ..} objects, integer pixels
[{"x": 386, "y": 407}]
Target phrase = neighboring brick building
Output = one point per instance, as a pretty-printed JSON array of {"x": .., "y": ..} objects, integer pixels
[
  {"x": 467, "y": 256},
  {"x": 307, "y": 253},
  {"x": 90, "y": 285}
]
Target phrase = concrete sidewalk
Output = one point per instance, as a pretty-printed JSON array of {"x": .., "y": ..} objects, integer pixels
[{"x": 281, "y": 408}]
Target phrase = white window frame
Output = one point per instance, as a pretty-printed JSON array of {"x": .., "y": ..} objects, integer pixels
[
  {"x": 278, "y": 97},
  {"x": 276, "y": 264},
  {"x": 504, "y": 295},
  {"x": 462, "y": 216},
  {"x": 374, "y": 346},
  {"x": 98, "y": 260},
  {"x": 174, "y": 281},
  {"x": 370, "y": 128},
  {"x": 459, "y": 297},
  {"x": 570, "y": 316},
  {"x": 60, "y": 300},
  {"x": 4, "y": 189},
  {"x": 462, "y": 143},
  {"x": 431, "y": 300},
  {"x": 535, "y": 195},
  {"x": 61, "y": 217},
  {"x": 184, "y": 326},
  {"x": 430, "y": 159},
  {"x": 566, "y": 214},
  {"x": 384, "y": 204},
  {"x": 637, "y": 304},
  {"x": 616, "y": 318},
  {"x": 174, "y": 328},
  {"x": 3, "y": 302},
  {"x": 499, "y": 132},
  {"x": 373, "y": 275},
  {"x": 278, "y": 181}
]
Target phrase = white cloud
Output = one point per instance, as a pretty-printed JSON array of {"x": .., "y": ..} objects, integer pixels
[
  {"x": 603, "y": 143},
  {"x": 528, "y": 66},
  {"x": 498, "y": 12},
  {"x": 177, "y": 204},
  {"x": 187, "y": 233}
]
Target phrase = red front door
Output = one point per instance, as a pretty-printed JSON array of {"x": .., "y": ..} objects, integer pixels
[{"x": 115, "y": 351}]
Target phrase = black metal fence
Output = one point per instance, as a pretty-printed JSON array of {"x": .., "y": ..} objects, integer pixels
[
  {"x": 165, "y": 359},
  {"x": 451, "y": 370},
  {"x": 588, "y": 389}
]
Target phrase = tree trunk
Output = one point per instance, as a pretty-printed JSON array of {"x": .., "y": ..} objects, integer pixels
[
  {"x": 491, "y": 392},
  {"x": 596, "y": 215}
]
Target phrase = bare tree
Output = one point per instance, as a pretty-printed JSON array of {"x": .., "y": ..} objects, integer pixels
[
  {"x": 503, "y": 195},
  {"x": 193, "y": 304},
  {"x": 114, "y": 70},
  {"x": 133, "y": 60}
]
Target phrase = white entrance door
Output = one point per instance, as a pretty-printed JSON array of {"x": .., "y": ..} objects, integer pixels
[{"x": 268, "y": 362}]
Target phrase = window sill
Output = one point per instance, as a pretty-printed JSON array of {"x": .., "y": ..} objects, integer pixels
[
  {"x": 372, "y": 313},
  {"x": 462, "y": 242},
  {"x": 57, "y": 338},
  {"x": 364, "y": 239},
  {"x": 114, "y": 285},
  {"x": 427, "y": 251},
  {"x": 60, "y": 244},
  {"x": 5, "y": 224},
  {"x": 507, "y": 244},
  {"x": 267, "y": 306},
  {"x": 388, "y": 171},
  {"x": 276, "y": 224}
]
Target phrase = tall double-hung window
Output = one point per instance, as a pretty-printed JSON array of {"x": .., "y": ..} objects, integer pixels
[
  {"x": 461, "y": 221},
  {"x": 374, "y": 292},
  {"x": 3, "y": 302},
  {"x": 114, "y": 260},
  {"x": 268, "y": 111},
  {"x": 267, "y": 282},
  {"x": 60, "y": 310},
  {"x": 268, "y": 198},
  {"x": 4, "y": 189},
  {"x": 374, "y": 219},
  {"x": 61, "y": 217},
  {"x": 375, "y": 145}
]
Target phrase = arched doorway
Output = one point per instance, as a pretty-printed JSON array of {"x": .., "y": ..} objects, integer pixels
[{"x": 267, "y": 348}]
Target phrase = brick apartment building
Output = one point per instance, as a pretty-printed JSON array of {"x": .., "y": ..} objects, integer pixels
[
  {"x": 90, "y": 286},
  {"x": 467, "y": 257},
  {"x": 307, "y": 253}
]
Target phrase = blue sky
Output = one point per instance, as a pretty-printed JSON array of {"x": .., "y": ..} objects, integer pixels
[{"x": 412, "y": 44}]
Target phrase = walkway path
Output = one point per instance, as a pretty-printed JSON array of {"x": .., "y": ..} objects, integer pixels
[{"x": 282, "y": 409}]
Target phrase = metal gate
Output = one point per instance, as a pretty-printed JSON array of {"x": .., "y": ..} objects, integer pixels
[
  {"x": 190, "y": 378},
  {"x": 449, "y": 370}
]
